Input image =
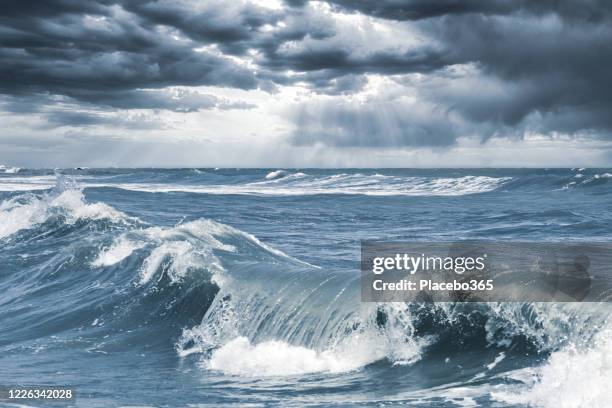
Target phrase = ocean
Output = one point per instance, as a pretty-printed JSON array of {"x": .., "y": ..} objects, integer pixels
[{"x": 241, "y": 287}]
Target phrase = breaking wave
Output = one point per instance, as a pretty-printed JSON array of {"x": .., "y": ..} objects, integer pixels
[
  {"x": 572, "y": 377},
  {"x": 283, "y": 183},
  {"x": 297, "y": 183},
  {"x": 237, "y": 306}
]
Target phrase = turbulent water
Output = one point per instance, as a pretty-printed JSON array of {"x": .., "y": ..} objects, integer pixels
[{"x": 204, "y": 287}]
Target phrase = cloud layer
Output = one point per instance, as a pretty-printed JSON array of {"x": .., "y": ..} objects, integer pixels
[{"x": 371, "y": 73}]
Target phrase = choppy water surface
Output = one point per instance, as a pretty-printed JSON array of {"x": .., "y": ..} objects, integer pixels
[{"x": 226, "y": 286}]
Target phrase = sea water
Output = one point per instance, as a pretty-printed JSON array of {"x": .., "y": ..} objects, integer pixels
[{"x": 205, "y": 287}]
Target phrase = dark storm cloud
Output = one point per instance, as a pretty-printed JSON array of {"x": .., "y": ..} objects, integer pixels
[
  {"x": 591, "y": 10},
  {"x": 340, "y": 62},
  {"x": 419, "y": 9},
  {"x": 542, "y": 66},
  {"x": 533, "y": 65},
  {"x": 76, "y": 72},
  {"x": 210, "y": 22},
  {"x": 75, "y": 51},
  {"x": 52, "y": 8},
  {"x": 329, "y": 84}
]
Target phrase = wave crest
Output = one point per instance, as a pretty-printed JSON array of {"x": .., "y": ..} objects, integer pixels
[
  {"x": 27, "y": 211},
  {"x": 283, "y": 183},
  {"x": 572, "y": 377}
]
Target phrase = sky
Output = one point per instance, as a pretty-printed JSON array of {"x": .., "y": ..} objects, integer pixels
[{"x": 295, "y": 83}]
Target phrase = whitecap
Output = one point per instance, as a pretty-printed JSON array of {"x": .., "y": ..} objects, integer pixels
[
  {"x": 298, "y": 185},
  {"x": 26, "y": 211},
  {"x": 117, "y": 252},
  {"x": 276, "y": 174},
  {"x": 16, "y": 214},
  {"x": 27, "y": 183},
  {"x": 571, "y": 378},
  {"x": 181, "y": 259},
  {"x": 278, "y": 358}
]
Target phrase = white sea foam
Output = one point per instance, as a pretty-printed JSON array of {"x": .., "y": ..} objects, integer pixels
[
  {"x": 497, "y": 360},
  {"x": 298, "y": 184},
  {"x": 279, "y": 176},
  {"x": 282, "y": 183},
  {"x": 571, "y": 378},
  {"x": 9, "y": 170},
  {"x": 578, "y": 370},
  {"x": 277, "y": 358},
  {"x": 348, "y": 352},
  {"x": 345, "y": 348},
  {"x": 585, "y": 181},
  {"x": 33, "y": 183},
  {"x": 24, "y": 212},
  {"x": 275, "y": 174},
  {"x": 175, "y": 251},
  {"x": 209, "y": 230},
  {"x": 179, "y": 252},
  {"x": 16, "y": 215},
  {"x": 183, "y": 248},
  {"x": 73, "y": 204},
  {"x": 191, "y": 245},
  {"x": 117, "y": 252}
]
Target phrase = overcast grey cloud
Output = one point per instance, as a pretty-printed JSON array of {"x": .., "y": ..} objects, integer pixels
[
  {"x": 71, "y": 52},
  {"x": 591, "y": 10},
  {"x": 370, "y": 74},
  {"x": 372, "y": 126}
]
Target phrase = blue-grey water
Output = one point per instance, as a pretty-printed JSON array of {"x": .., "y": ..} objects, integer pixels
[{"x": 214, "y": 287}]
